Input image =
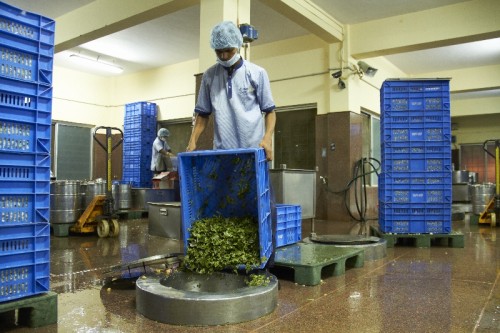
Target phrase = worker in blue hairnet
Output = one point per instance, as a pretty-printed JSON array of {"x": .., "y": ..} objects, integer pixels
[
  {"x": 161, "y": 152},
  {"x": 238, "y": 94}
]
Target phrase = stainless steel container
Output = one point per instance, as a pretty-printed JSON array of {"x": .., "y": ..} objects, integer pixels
[
  {"x": 463, "y": 177},
  {"x": 93, "y": 188},
  {"x": 65, "y": 201},
  {"x": 122, "y": 196},
  {"x": 141, "y": 197},
  {"x": 481, "y": 196},
  {"x": 165, "y": 219},
  {"x": 460, "y": 192},
  {"x": 460, "y": 177},
  {"x": 295, "y": 187}
]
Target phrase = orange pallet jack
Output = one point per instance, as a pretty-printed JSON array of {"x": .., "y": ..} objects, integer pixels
[
  {"x": 100, "y": 215},
  {"x": 492, "y": 210}
]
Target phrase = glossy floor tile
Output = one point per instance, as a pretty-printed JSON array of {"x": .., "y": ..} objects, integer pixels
[{"x": 436, "y": 289}]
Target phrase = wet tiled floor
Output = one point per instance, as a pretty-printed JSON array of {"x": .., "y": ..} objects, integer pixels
[{"x": 436, "y": 289}]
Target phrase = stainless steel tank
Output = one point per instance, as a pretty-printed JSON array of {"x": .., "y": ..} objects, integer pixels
[
  {"x": 65, "y": 201},
  {"x": 141, "y": 197},
  {"x": 481, "y": 195}
]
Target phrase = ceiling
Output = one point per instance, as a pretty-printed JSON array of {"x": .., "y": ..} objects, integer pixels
[{"x": 142, "y": 47}]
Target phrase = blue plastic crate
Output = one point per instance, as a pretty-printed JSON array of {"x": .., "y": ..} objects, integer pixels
[
  {"x": 227, "y": 183},
  {"x": 25, "y": 187},
  {"x": 24, "y": 96},
  {"x": 415, "y": 225},
  {"x": 26, "y": 25},
  {"x": 415, "y": 117},
  {"x": 408, "y": 211},
  {"x": 24, "y": 137},
  {"x": 23, "y": 65},
  {"x": 24, "y": 260},
  {"x": 415, "y": 95},
  {"x": 139, "y": 138},
  {"x": 436, "y": 149},
  {"x": 288, "y": 224},
  {"x": 19, "y": 159},
  {"x": 140, "y": 108},
  {"x": 415, "y": 164},
  {"x": 24, "y": 208},
  {"x": 15, "y": 173},
  {"x": 410, "y": 132},
  {"x": 406, "y": 193},
  {"x": 417, "y": 179},
  {"x": 131, "y": 151},
  {"x": 137, "y": 122}
]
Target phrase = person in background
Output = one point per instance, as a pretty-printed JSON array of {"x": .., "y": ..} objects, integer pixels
[
  {"x": 161, "y": 152},
  {"x": 238, "y": 94}
]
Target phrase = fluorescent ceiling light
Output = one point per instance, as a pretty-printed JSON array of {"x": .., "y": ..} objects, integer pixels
[{"x": 96, "y": 63}]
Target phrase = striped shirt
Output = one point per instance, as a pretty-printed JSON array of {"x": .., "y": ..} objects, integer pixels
[{"x": 237, "y": 102}]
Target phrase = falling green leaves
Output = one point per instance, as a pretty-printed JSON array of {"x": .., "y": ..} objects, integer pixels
[{"x": 219, "y": 243}]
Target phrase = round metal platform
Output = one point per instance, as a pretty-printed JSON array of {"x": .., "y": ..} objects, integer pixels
[
  {"x": 186, "y": 298},
  {"x": 375, "y": 248}
]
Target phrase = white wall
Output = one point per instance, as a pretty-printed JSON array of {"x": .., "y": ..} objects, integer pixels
[{"x": 299, "y": 70}]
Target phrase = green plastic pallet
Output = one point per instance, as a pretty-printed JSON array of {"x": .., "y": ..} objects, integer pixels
[
  {"x": 310, "y": 260},
  {"x": 34, "y": 311},
  {"x": 453, "y": 239},
  {"x": 61, "y": 229}
]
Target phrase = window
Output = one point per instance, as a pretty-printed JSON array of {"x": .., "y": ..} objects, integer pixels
[
  {"x": 72, "y": 156},
  {"x": 294, "y": 138}
]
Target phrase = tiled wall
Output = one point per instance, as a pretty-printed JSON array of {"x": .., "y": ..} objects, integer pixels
[{"x": 339, "y": 142}]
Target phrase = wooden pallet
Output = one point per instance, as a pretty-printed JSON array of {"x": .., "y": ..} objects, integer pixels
[
  {"x": 34, "y": 311},
  {"x": 453, "y": 239},
  {"x": 310, "y": 261}
]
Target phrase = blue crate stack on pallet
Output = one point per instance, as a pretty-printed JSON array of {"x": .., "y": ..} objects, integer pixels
[
  {"x": 415, "y": 185},
  {"x": 27, "y": 51},
  {"x": 139, "y": 132}
]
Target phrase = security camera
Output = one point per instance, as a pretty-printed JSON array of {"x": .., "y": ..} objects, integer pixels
[
  {"x": 337, "y": 74},
  {"x": 367, "y": 69},
  {"x": 341, "y": 84}
]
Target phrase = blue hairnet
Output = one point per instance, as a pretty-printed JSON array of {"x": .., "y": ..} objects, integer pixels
[
  {"x": 225, "y": 35},
  {"x": 163, "y": 132}
]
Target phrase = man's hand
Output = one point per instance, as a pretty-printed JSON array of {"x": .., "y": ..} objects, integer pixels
[
  {"x": 191, "y": 146},
  {"x": 267, "y": 144}
]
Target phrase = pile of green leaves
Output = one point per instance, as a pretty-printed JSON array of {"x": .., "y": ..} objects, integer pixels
[
  {"x": 219, "y": 243},
  {"x": 258, "y": 280}
]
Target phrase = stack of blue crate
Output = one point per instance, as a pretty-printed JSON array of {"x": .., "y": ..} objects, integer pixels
[
  {"x": 415, "y": 184},
  {"x": 27, "y": 51},
  {"x": 139, "y": 132}
]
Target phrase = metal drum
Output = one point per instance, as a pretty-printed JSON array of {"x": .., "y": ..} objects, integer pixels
[
  {"x": 122, "y": 195},
  {"x": 65, "y": 201},
  {"x": 93, "y": 188},
  {"x": 481, "y": 195}
]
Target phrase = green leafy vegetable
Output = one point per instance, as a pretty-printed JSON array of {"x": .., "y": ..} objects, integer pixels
[{"x": 219, "y": 243}]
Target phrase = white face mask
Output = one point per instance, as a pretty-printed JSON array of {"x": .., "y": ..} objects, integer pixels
[{"x": 230, "y": 62}]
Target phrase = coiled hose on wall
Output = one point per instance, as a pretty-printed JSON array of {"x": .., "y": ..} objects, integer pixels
[{"x": 362, "y": 168}]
